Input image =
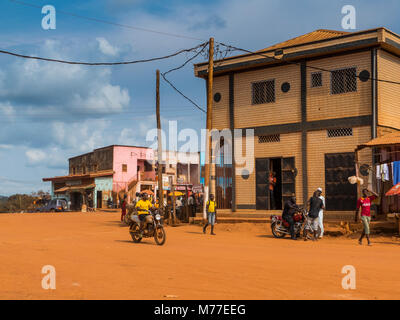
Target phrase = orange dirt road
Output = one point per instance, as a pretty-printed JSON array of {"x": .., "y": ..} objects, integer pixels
[{"x": 95, "y": 258}]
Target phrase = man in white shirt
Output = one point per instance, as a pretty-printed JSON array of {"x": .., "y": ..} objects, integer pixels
[{"x": 321, "y": 213}]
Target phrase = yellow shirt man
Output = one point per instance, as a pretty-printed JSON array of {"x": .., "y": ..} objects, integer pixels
[
  {"x": 211, "y": 206},
  {"x": 143, "y": 206}
]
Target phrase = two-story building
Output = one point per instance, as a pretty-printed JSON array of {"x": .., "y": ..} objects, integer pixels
[
  {"x": 113, "y": 171},
  {"x": 105, "y": 173},
  {"x": 311, "y": 101}
]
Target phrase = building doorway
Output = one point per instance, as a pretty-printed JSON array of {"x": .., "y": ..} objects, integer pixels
[
  {"x": 99, "y": 199},
  {"x": 275, "y": 182},
  {"x": 76, "y": 201},
  {"x": 340, "y": 194}
]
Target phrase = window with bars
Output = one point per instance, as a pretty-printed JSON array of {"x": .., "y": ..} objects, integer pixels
[
  {"x": 316, "y": 79},
  {"x": 342, "y": 132},
  {"x": 263, "y": 92},
  {"x": 269, "y": 138},
  {"x": 344, "y": 80}
]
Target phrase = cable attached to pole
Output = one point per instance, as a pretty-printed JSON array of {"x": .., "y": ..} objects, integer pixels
[{"x": 102, "y": 63}]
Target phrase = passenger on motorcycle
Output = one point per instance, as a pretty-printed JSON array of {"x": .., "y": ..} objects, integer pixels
[
  {"x": 289, "y": 210},
  {"x": 143, "y": 206}
]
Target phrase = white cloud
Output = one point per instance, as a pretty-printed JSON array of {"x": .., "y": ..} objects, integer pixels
[
  {"x": 35, "y": 156},
  {"x": 106, "y": 48},
  {"x": 51, "y": 158},
  {"x": 7, "y": 110},
  {"x": 81, "y": 136},
  {"x": 69, "y": 89}
]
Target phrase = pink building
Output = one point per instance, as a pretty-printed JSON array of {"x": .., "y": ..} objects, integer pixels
[{"x": 104, "y": 174}]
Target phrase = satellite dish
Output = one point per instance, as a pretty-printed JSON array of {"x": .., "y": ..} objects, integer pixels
[{"x": 364, "y": 170}]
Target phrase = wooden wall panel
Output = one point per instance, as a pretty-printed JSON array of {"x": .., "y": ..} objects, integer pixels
[
  {"x": 289, "y": 146},
  {"x": 286, "y": 108},
  {"x": 321, "y": 104},
  {"x": 388, "y": 94},
  {"x": 319, "y": 144},
  {"x": 220, "y": 116}
]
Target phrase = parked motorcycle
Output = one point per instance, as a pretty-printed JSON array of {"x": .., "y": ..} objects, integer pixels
[
  {"x": 302, "y": 225},
  {"x": 153, "y": 228}
]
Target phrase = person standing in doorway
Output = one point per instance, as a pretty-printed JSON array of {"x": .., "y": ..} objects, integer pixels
[
  {"x": 192, "y": 205},
  {"x": 364, "y": 203},
  {"x": 272, "y": 183},
  {"x": 211, "y": 207},
  {"x": 321, "y": 212}
]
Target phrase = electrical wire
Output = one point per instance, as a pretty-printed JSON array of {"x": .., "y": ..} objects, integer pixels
[
  {"x": 297, "y": 63},
  {"x": 102, "y": 63},
  {"x": 110, "y": 23},
  {"x": 205, "y": 45}
]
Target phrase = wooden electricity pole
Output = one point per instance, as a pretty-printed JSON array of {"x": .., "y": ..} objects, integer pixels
[
  {"x": 159, "y": 153},
  {"x": 173, "y": 215},
  {"x": 210, "y": 81}
]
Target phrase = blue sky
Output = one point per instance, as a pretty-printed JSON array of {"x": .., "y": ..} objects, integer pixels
[{"x": 50, "y": 112}]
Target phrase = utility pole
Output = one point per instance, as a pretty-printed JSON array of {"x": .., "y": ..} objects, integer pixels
[
  {"x": 159, "y": 153},
  {"x": 210, "y": 81},
  {"x": 173, "y": 216}
]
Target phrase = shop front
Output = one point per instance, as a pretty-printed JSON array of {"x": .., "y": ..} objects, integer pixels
[{"x": 384, "y": 176}]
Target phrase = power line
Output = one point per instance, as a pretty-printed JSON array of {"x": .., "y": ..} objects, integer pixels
[
  {"x": 180, "y": 67},
  {"x": 101, "y": 63},
  {"x": 297, "y": 63},
  {"x": 183, "y": 95},
  {"x": 111, "y": 23}
]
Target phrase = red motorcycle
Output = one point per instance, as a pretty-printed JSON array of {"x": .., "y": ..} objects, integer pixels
[{"x": 280, "y": 227}]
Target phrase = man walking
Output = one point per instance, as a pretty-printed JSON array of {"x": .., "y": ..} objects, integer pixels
[
  {"x": 123, "y": 207},
  {"x": 316, "y": 205},
  {"x": 321, "y": 212},
  {"x": 365, "y": 204},
  {"x": 211, "y": 207}
]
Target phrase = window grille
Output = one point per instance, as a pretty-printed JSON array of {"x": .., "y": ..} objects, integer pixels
[
  {"x": 343, "y": 132},
  {"x": 344, "y": 81},
  {"x": 263, "y": 92},
  {"x": 316, "y": 79},
  {"x": 270, "y": 138}
]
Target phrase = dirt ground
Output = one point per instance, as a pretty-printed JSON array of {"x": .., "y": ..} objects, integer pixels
[{"x": 95, "y": 258}]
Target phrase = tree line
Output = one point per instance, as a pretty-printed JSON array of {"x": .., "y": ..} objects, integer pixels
[{"x": 22, "y": 202}]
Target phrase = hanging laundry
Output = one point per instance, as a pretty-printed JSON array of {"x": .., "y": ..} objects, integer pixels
[
  {"x": 378, "y": 172},
  {"x": 378, "y": 178},
  {"x": 396, "y": 172},
  {"x": 385, "y": 172}
]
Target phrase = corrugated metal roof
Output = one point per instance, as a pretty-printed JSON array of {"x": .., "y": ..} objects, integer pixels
[
  {"x": 388, "y": 139},
  {"x": 317, "y": 35},
  {"x": 74, "y": 188},
  {"x": 81, "y": 176}
]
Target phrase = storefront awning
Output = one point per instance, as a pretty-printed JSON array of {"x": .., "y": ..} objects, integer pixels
[
  {"x": 384, "y": 141},
  {"x": 61, "y": 190},
  {"x": 75, "y": 188}
]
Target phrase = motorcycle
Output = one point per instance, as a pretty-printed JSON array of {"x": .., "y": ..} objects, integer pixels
[
  {"x": 302, "y": 225},
  {"x": 153, "y": 228}
]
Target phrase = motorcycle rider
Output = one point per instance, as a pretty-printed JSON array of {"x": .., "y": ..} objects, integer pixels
[
  {"x": 289, "y": 210},
  {"x": 143, "y": 206}
]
